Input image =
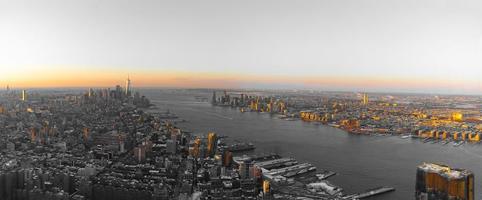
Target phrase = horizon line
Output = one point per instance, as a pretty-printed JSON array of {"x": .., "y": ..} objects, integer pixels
[{"x": 248, "y": 88}]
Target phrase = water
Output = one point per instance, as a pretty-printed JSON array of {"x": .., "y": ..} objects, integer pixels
[{"x": 362, "y": 162}]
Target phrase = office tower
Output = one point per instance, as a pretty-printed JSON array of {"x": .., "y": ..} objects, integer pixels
[
  {"x": 212, "y": 140},
  {"x": 195, "y": 148},
  {"x": 140, "y": 153},
  {"x": 24, "y": 95},
  {"x": 213, "y": 101},
  {"x": 244, "y": 169},
  {"x": 365, "y": 99},
  {"x": 436, "y": 181},
  {"x": 90, "y": 93},
  {"x": 267, "y": 193},
  {"x": 227, "y": 156},
  {"x": 128, "y": 86},
  {"x": 171, "y": 146}
]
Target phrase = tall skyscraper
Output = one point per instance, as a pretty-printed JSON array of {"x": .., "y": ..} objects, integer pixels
[
  {"x": 24, "y": 95},
  {"x": 214, "y": 101},
  {"x": 90, "y": 92},
  {"x": 212, "y": 140},
  {"x": 128, "y": 86},
  {"x": 365, "y": 99}
]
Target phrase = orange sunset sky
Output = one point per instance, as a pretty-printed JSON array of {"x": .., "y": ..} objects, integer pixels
[{"x": 61, "y": 76}]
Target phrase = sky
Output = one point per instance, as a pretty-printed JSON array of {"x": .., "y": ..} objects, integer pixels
[{"x": 432, "y": 46}]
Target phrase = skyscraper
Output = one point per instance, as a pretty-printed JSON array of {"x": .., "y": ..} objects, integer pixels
[
  {"x": 128, "y": 86},
  {"x": 24, "y": 95},
  {"x": 212, "y": 140},
  {"x": 365, "y": 99},
  {"x": 90, "y": 92},
  {"x": 214, "y": 101},
  {"x": 435, "y": 181}
]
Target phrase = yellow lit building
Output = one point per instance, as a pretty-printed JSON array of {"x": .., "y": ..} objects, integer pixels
[
  {"x": 455, "y": 136},
  {"x": 464, "y": 136},
  {"x": 211, "y": 143},
  {"x": 448, "y": 183},
  {"x": 266, "y": 187},
  {"x": 474, "y": 137},
  {"x": 313, "y": 116},
  {"x": 195, "y": 149},
  {"x": 456, "y": 116},
  {"x": 365, "y": 99}
]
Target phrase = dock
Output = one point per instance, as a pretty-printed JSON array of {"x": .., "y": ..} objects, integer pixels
[
  {"x": 277, "y": 163},
  {"x": 372, "y": 192}
]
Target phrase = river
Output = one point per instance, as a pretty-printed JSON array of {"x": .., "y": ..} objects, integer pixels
[{"x": 362, "y": 162}]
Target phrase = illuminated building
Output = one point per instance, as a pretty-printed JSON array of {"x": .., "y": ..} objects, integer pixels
[
  {"x": 91, "y": 92},
  {"x": 474, "y": 137},
  {"x": 24, "y": 95},
  {"x": 195, "y": 149},
  {"x": 456, "y": 136},
  {"x": 436, "y": 181},
  {"x": 266, "y": 189},
  {"x": 456, "y": 116},
  {"x": 212, "y": 139},
  {"x": 350, "y": 123},
  {"x": 365, "y": 99}
]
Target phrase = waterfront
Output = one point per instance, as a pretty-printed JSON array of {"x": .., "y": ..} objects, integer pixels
[{"x": 362, "y": 162}]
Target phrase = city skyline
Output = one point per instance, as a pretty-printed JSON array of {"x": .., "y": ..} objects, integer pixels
[
  {"x": 216, "y": 99},
  {"x": 414, "y": 46},
  {"x": 83, "y": 77}
]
